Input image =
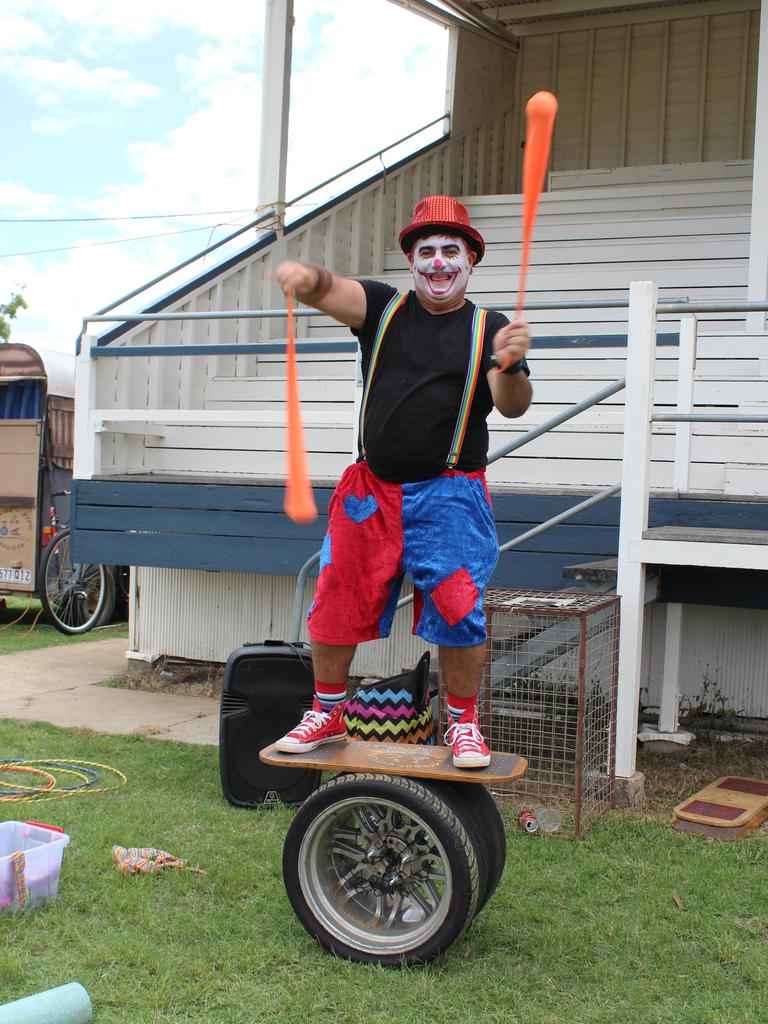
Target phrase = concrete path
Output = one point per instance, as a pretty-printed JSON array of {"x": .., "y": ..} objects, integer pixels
[{"x": 60, "y": 685}]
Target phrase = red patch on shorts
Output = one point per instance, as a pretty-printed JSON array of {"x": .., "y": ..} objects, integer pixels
[{"x": 455, "y": 597}]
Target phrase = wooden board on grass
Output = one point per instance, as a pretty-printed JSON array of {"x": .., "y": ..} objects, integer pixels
[
  {"x": 722, "y": 832},
  {"x": 731, "y": 802},
  {"x": 411, "y": 759}
]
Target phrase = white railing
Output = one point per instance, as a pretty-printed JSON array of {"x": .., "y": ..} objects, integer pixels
[{"x": 638, "y": 547}]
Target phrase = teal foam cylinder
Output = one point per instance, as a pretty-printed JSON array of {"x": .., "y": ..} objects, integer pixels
[{"x": 68, "y": 1004}]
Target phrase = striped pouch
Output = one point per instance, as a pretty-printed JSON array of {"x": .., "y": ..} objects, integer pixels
[{"x": 396, "y": 709}]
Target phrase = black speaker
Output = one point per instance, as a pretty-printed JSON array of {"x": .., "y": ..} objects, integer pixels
[{"x": 266, "y": 689}]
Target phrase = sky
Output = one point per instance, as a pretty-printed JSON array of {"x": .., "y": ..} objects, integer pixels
[{"x": 153, "y": 107}]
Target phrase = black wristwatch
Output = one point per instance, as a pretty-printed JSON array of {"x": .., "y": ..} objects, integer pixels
[{"x": 513, "y": 368}]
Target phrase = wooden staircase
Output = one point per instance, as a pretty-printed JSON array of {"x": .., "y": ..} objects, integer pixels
[{"x": 691, "y": 237}]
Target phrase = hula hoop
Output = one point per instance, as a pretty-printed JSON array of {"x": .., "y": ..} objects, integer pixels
[
  {"x": 13, "y": 794},
  {"x": 89, "y": 772}
]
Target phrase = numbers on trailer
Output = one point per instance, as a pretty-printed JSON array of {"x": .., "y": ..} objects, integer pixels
[{"x": 15, "y": 575}]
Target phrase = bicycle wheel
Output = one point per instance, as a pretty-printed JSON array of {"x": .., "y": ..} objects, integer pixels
[
  {"x": 74, "y": 596},
  {"x": 380, "y": 870}
]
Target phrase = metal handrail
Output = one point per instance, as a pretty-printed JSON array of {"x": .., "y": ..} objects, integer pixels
[
  {"x": 379, "y": 153},
  {"x": 594, "y": 399},
  {"x": 557, "y": 419},
  {"x": 217, "y": 348},
  {"x": 494, "y": 456},
  {"x": 662, "y": 309},
  {"x": 531, "y": 435},
  {"x": 561, "y": 517},
  {"x": 298, "y": 596},
  {"x": 269, "y": 215}
]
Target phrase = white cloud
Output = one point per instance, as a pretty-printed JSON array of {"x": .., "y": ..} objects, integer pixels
[
  {"x": 210, "y": 162},
  {"x": 24, "y": 202},
  {"x": 354, "y": 87},
  {"x": 214, "y": 64},
  {"x": 99, "y": 22},
  {"x": 60, "y": 291},
  {"x": 61, "y": 125},
  {"x": 52, "y": 81},
  {"x": 351, "y": 98},
  {"x": 18, "y": 33}
]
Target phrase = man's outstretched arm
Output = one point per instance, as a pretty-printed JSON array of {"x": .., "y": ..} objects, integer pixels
[{"x": 339, "y": 297}]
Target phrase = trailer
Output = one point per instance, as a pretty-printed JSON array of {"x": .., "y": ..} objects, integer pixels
[{"x": 37, "y": 411}]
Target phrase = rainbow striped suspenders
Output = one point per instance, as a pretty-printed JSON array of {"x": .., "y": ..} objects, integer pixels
[
  {"x": 473, "y": 371},
  {"x": 384, "y": 321}
]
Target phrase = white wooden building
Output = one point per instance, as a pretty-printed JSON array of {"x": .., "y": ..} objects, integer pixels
[{"x": 658, "y": 174}]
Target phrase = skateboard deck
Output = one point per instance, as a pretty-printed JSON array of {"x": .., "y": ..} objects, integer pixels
[
  {"x": 420, "y": 761},
  {"x": 731, "y": 802}
]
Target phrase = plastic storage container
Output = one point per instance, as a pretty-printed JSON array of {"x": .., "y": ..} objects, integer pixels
[{"x": 30, "y": 863}]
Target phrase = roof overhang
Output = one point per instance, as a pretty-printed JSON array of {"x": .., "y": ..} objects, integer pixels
[
  {"x": 456, "y": 13},
  {"x": 506, "y": 20}
]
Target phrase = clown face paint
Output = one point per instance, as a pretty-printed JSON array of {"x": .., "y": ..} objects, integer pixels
[{"x": 441, "y": 265}]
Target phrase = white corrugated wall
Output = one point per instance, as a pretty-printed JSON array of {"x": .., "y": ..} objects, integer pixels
[
  {"x": 725, "y": 652},
  {"x": 204, "y": 616}
]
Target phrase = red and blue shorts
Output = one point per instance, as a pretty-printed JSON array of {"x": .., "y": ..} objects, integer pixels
[{"x": 441, "y": 531}]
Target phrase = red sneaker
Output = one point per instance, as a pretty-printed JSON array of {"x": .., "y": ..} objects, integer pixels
[
  {"x": 315, "y": 728},
  {"x": 466, "y": 741}
]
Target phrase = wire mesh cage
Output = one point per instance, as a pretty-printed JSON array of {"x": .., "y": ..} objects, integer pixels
[{"x": 549, "y": 694}]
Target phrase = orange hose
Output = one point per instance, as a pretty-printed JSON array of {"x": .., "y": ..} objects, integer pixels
[
  {"x": 540, "y": 111},
  {"x": 299, "y": 504}
]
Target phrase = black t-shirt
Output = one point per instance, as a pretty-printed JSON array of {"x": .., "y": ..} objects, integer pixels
[{"x": 416, "y": 392}]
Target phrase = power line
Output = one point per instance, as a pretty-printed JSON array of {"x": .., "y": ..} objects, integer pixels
[
  {"x": 140, "y": 216},
  {"x": 113, "y": 241}
]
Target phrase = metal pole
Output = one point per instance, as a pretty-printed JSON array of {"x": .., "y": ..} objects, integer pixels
[
  {"x": 104, "y": 316},
  {"x": 276, "y": 91},
  {"x": 298, "y": 601},
  {"x": 561, "y": 517},
  {"x": 555, "y": 421},
  {"x": 221, "y": 314},
  {"x": 367, "y": 159},
  {"x": 185, "y": 263}
]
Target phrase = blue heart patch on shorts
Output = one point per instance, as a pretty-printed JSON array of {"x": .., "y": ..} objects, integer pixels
[{"x": 360, "y": 509}]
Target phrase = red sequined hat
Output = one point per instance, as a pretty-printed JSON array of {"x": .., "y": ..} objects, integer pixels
[{"x": 444, "y": 213}]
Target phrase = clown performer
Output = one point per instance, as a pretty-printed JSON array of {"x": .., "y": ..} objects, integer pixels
[{"x": 416, "y": 499}]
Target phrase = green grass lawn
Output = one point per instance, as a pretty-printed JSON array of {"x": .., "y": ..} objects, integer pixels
[
  {"x": 31, "y": 632},
  {"x": 579, "y": 932}
]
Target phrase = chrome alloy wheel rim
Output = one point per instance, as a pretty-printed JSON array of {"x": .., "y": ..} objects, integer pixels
[{"x": 375, "y": 875}]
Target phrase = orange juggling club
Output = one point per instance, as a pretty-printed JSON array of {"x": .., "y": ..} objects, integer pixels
[
  {"x": 299, "y": 503},
  {"x": 540, "y": 111}
]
